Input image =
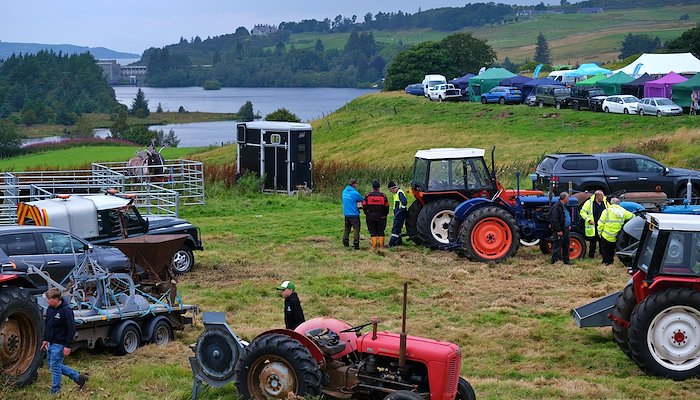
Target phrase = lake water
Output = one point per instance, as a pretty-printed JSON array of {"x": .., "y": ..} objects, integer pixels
[{"x": 306, "y": 103}]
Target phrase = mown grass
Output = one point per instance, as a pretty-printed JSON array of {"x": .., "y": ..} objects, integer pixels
[{"x": 511, "y": 320}]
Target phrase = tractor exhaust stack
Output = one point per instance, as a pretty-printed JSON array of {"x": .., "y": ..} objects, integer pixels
[{"x": 402, "y": 340}]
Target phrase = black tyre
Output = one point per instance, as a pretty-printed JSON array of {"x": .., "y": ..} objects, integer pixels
[
  {"x": 453, "y": 230},
  {"x": 162, "y": 333},
  {"x": 412, "y": 222},
  {"x": 433, "y": 221},
  {"x": 403, "y": 395},
  {"x": 623, "y": 312},
  {"x": 575, "y": 106},
  {"x": 557, "y": 105},
  {"x": 465, "y": 390},
  {"x": 607, "y": 110},
  {"x": 694, "y": 194},
  {"x": 658, "y": 113},
  {"x": 501, "y": 101},
  {"x": 625, "y": 111},
  {"x": 664, "y": 334},
  {"x": 183, "y": 260},
  {"x": 483, "y": 100},
  {"x": 440, "y": 99},
  {"x": 273, "y": 366},
  {"x": 129, "y": 340},
  {"x": 546, "y": 246},
  {"x": 489, "y": 234},
  {"x": 217, "y": 355},
  {"x": 641, "y": 112},
  {"x": 540, "y": 103},
  {"x": 21, "y": 334},
  {"x": 592, "y": 107}
]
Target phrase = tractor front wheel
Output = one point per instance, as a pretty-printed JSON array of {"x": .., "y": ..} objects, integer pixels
[
  {"x": 664, "y": 334},
  {"x": 465, "y": 390},
  {"x": 489, "y": 234},
  {"x": 412, "y": 222},
  {"x": 273, "y": 366},
  {"x": 21, "y": 333},
  {"x": 621, "y": 314},
  {"x": 434, "y": 221},
  {"x": 453, "y": 230},
  {"x": 403, "y": 395}
]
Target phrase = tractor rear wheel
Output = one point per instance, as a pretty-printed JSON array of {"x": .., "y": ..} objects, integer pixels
[
  {"x": 623, "y": 311},
  {"x": 412, "y": 222},
  {"x": 453, "y": 230},
  {"x": 21, "y": 330},
  {"x": 489, "y": 234},
  {"x": 434, "y": 220},
  {"x": 465, "y": 390},
  {"x": 403, "y": 395},
  {"x": 664, "y": 334},
  {"x": 273, "y": 366}
]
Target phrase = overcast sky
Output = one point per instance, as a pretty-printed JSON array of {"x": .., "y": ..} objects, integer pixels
[{"x": 133, "y": 26}]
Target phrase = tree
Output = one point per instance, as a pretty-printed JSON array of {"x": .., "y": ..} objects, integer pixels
[
  {"x": 139, "y": 107},
  {"x": 467, "y": 53},
  {"x": 10, "y": 139},
  {"x": 689, "y": 41},
  {"x": 159, "y": 109},
  {"x": 542, "y": 54},
  {"x": 120, "y": 126},
  {"x": 241, "y": 31},
  {"x": 82, "y": 129},
  {"x": 282, "y": 114},
  {"x": 509, "y": 65},
  {"x": 140, "y": 134},
  {"x": 319, "y": 48},
  {"x": 637, "y": 44},
  {"x": 245, "y": 113}
]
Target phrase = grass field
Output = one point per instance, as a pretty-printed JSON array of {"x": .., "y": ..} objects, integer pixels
[
  {"x": 572, "y": 38},
  {"x": 511, "y": 319}
]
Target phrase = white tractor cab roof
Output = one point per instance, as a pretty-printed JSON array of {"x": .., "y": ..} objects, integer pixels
[
  {"x": 76, "y": 214},
  {"x": 674, "y": 222},
  {"x": 447, "y": 153}
]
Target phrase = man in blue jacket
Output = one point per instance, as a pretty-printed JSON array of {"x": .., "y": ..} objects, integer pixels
[
  {"x": 58, "y": 336},
  {"x": 351, "y": 199}
]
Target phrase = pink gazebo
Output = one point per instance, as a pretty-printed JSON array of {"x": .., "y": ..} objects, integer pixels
[{"x": 662, "y": 86}]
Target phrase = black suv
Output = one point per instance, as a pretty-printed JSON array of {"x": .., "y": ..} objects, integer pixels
[
  {"x": 587, "y": 97},
  {"x": 612, "y": 172}
]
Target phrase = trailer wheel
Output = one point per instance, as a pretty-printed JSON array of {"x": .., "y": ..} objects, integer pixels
[
  {"x": 21, "y": 332},
  {"x": 623, "y": 311},
  {"x": 664, "y": 334},
  {"x": 465, "y": 390},
  {"x": 183, "y": 260},
  {"x": 273, "y": 366},
  {"x": 433, "y": 221},
  {"x": 162, "y": 333},
  {"x": 403, "y": 395},
  {"x": 412, "y": 222},
  {"x": 489, "y": 234},
  {"x": 129, "y": 340},
  {"x": 577, "y": 246}
]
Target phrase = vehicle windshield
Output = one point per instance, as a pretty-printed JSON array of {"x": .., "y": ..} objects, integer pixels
[
  {"x": 454, "y": 174},
  {"x": 682, "y": 255},
  {"x": 596, "y": 92},
  {"x": 434, "y": 83},
  {"x": 516, "y": 91},
  {"x": 547, "y": 165},
  {"x": 420, "y": 174},
  {"x": 562, "y": 92},
  {"x": 664, "y": 102},
  {"x": 647, "y": 251},
  {"x": 630, "y": 99}
]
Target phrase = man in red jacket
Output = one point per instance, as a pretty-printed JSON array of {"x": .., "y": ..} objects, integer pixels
[{"x": 376, "y": 208}]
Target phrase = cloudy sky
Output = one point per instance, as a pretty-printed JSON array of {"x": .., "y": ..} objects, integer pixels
[{"x": 133, "y": 26}]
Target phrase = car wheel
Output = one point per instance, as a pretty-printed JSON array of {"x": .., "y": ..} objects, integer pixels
[
  {"x": 440, "y": 99},
  {"x": 501, "y": 101},
  {"x": 540, "y": 103},
  {"x": 183, "y": 260},
  {"x": 592, "y": 107},
  {"x": 658, "y": 113},
  {"x": 641, "y": 113},
  {"x": 624, "y": 111},
  {"x": 483, "y": 100},
  {"x": 557, "y": 105},
  {"x": 575, "y": 106},
  {"x": 607, "y": 110}
]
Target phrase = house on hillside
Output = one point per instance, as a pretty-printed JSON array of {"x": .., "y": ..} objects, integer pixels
[{"x": 262, "y": 30}]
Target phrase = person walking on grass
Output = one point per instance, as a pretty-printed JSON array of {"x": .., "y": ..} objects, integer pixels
[
  {"x": 610, "y": 224},
  {"x": 590, "y": 213},
  {"x": 293, "y": 313},
  {"x": 376, "y": 208},
  {"x": 351, "y": 199},
  {"x": 400, "y": 203},
  {"x": 58, "y": 336},
  {"x": 560, "y": 220}
]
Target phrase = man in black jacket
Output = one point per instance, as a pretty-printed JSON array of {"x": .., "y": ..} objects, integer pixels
[
  {"x": 560, "y": 221},
  {"x": 58, "y": 336},
  {"x": 293, "y": 314}
]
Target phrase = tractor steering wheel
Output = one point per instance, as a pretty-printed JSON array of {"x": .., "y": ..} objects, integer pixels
[{"x": 356, "y": 329}]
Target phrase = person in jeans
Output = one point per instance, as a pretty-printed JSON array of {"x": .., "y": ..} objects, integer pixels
[
  {"x": 560, "y": 221},
  {"x": 58, "y": 336},
  {"x": 351, "y": 199}
]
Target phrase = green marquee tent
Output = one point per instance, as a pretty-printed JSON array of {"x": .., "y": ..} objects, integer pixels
[
  {"x": 681, "y": 91},
  {"x": 592, "y": 81},
  {"x": 613, "y": 85},
  {"x": 486, "y": 80}
]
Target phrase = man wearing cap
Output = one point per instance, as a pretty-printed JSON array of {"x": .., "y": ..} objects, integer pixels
[
  {"x": 293, "y": 314},
  {"x": 376, "y": 208},
  {"x": 400, "y": 203},
  {"x": 351, "y": 199}
]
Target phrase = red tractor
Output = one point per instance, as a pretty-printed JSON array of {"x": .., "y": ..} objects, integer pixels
[
  {"x": 326, "y": 356},
  {"x": 656, "y": 318}
]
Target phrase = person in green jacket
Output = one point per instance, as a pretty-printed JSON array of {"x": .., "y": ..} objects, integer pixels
[{"x": 590, "y": 213}]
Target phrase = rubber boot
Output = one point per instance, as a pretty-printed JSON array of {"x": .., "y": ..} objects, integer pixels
[
  {"x": 381, "y": 242},
  {"x": 356, "y": 245},
  {"x": 374, "y": 243}
]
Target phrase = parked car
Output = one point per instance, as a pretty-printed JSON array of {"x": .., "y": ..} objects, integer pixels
[
  {"x": 415, "y": 89},
  {"x": 612, "y": 172},
  {"x": 432, "y": 80},
  {"x": 56, "y": 250},
  {"x": 446, "y": 91},
  {"x": 502, "y": 95},
  {"x": 621, "y": 104},
  {"x": 587, "y": 97},
  {"x": 531, "y": 100},
  {"x": 552, "y": 95},
  {"x": 658, "y": 106}
]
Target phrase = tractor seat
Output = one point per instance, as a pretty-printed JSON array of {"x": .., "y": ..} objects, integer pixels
[{"x": 327, "y": 340}]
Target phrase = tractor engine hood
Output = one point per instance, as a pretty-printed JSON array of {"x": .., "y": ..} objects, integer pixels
[{"x": 417, "y": 348}]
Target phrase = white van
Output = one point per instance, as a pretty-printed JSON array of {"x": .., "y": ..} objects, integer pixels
[
  {"x": 564, "y": 77},
  {"x": 430, "y": 81}
]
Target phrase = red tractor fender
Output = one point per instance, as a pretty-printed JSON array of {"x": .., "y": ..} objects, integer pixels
[
  {"x": 7, "y": 277},
  {"x": 306, "y": 342},
  {"x": 642, "y": 290}
]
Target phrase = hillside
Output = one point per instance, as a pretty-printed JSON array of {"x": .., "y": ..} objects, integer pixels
[{"x": 9, "y": 48}]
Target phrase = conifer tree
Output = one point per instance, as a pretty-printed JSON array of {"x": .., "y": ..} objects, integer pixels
[{"x": 542, "y": 54}]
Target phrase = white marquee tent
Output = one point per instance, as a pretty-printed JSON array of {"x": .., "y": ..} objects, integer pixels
[{"x": 661, "y": 64}]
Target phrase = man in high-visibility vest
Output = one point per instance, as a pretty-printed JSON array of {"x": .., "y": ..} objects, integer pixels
[
  {"x": 590, "y": 213},
  {"x": 609, "y": 225},
  {"x": 400, "y": 202}
]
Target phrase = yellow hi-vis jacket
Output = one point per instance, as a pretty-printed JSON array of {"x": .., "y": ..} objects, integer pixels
[
  {"x": 587, "y": 214},
  {"x": 611, "y": 221}
]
